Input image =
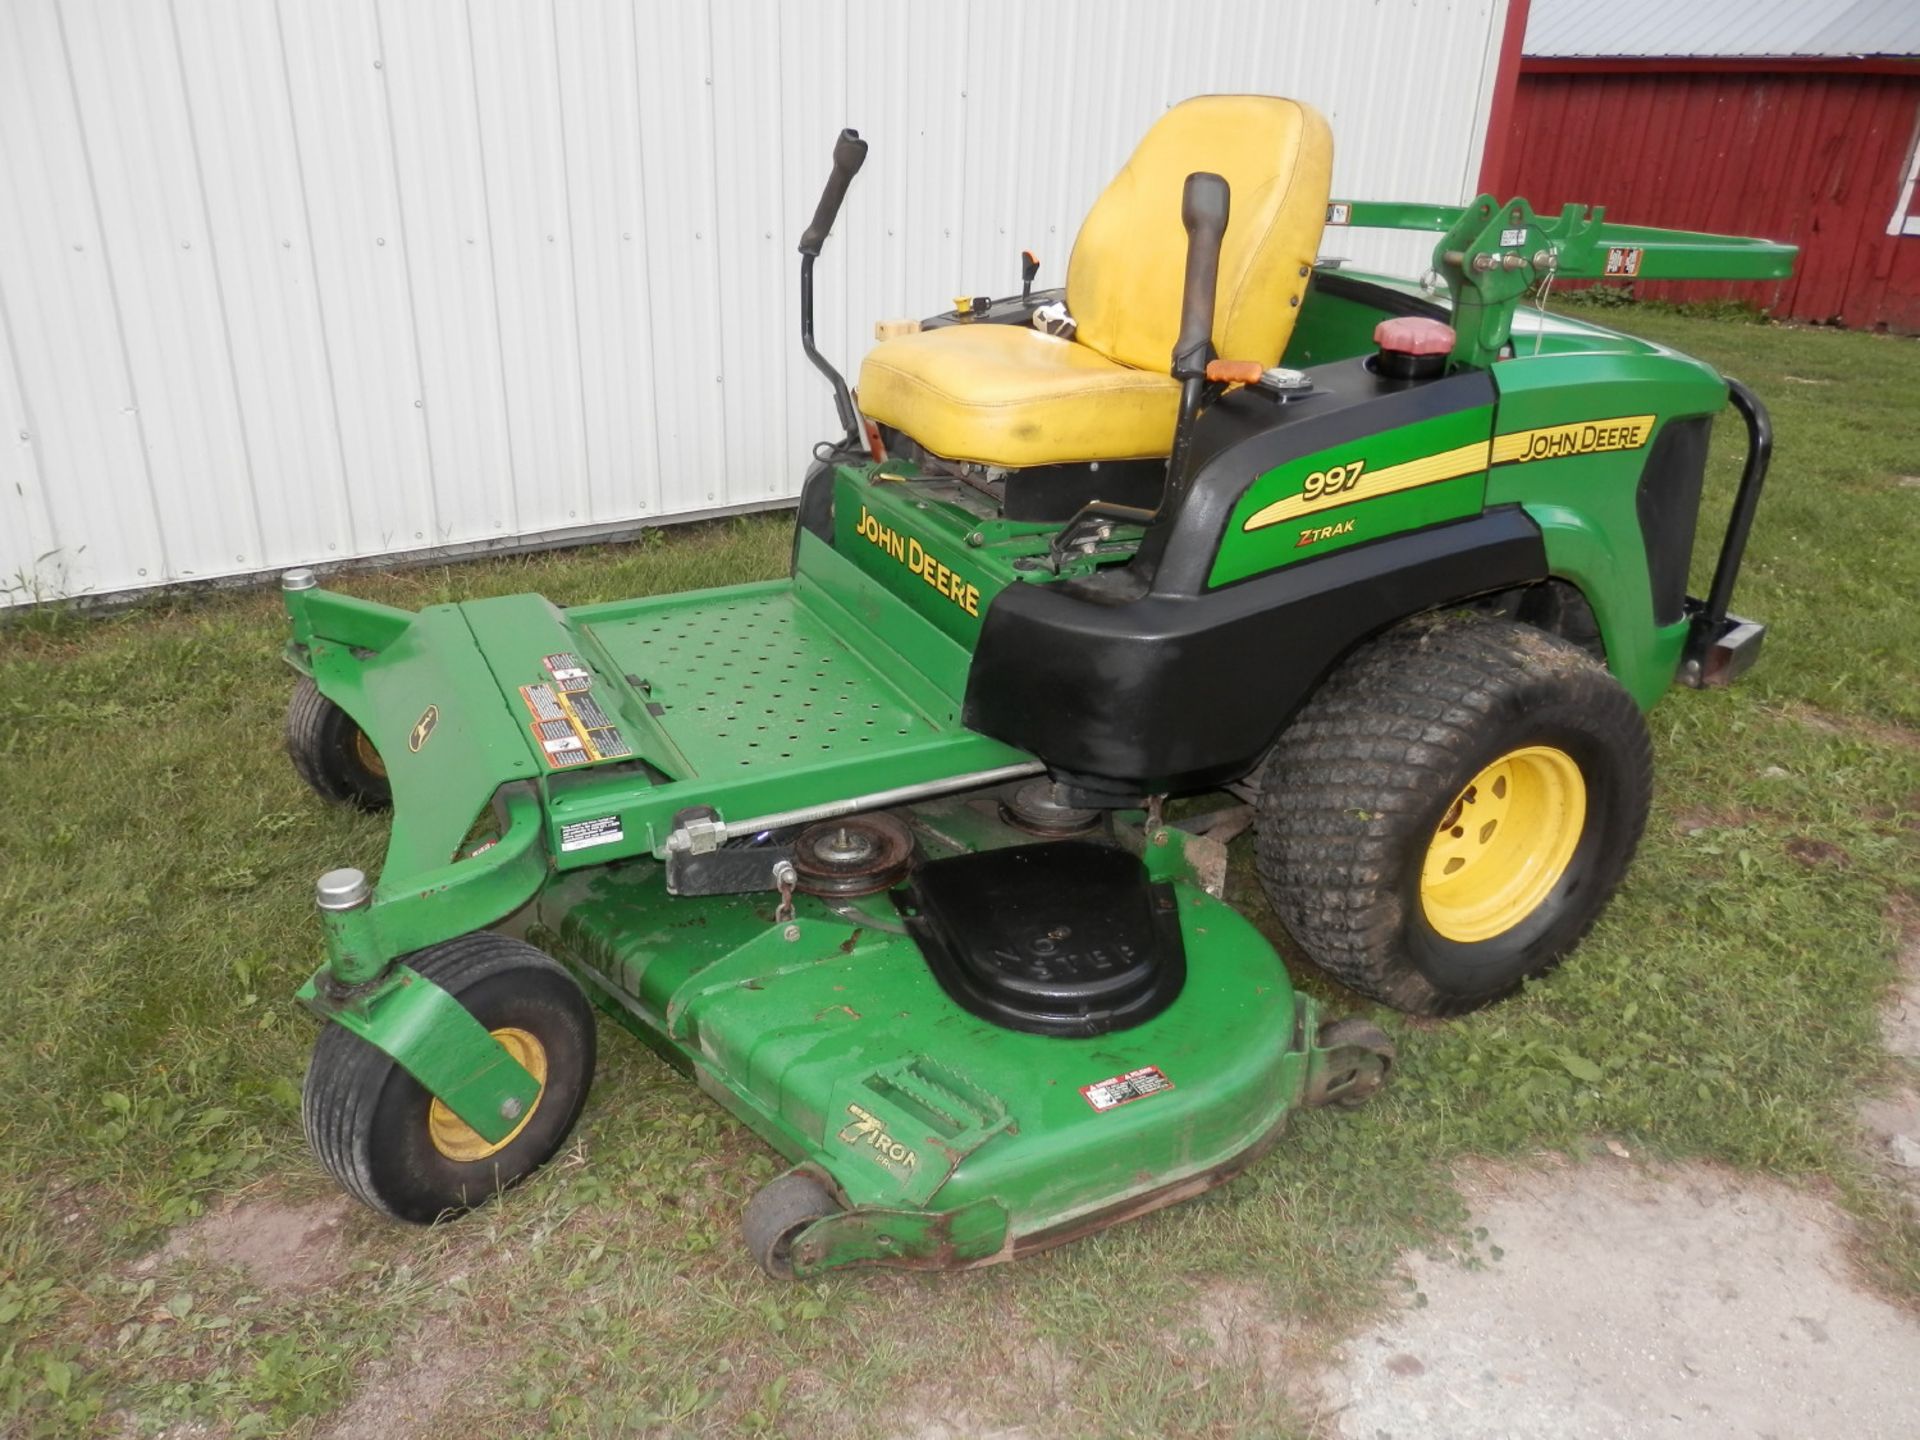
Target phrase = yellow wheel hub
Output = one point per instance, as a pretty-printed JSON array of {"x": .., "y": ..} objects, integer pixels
[
  {"x": 456, "y": 1139},
  {"x": 368, "y": 756},
  {"x": 1503, "y": 844}
]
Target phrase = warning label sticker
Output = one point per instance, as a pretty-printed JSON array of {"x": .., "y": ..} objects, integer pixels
[
  {"x": 585, "y": 834},
  {"x": 1623, "y": 262},
  {"x": 567, "y": 671},
  {"x": 571, "y": 727},
  {"x": 1134, "y": 1085}
]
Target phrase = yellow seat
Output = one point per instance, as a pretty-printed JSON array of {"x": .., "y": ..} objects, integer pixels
[{"x": 1010, "y": 395}]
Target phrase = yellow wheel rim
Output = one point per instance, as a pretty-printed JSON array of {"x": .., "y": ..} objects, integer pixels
[
  {"x": 456, "y": 1139},
  {"x": 1503, "y": 844},
  {"x": 368, "y": 756}
]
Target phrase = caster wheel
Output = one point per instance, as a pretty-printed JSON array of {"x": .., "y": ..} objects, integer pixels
[
  {"x": 776, "y": 1215},
  {"x": 396, "y": 1148},
  {"x": 333, "y": 754},
  {"x": 1360, "y": 1057}
]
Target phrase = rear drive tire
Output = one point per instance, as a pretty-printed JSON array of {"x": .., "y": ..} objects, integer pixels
[
  {"x": 396, "y": 1148},
  {"x": 1452, "y": 810},
  {"x": 332, "y": 753}
]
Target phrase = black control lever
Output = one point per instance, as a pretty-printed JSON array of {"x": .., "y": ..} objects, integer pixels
[
  {"x": 849, "y": 154},
  {"x": 1204, "y": 207},
  {"x": 1203, "y": 210},
  {"x": 1029, "y": 267}
]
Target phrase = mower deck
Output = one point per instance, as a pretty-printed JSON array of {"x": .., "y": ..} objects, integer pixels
[{"x": 952, "y": 1140}]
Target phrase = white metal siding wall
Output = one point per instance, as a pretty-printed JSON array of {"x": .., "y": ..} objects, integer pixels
[{"x": 312, "y": 280}]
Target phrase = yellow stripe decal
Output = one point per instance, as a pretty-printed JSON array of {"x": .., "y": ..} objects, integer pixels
[
  {"x": 1585, "y": 437},
  {"x": 1428, "y": 470}
]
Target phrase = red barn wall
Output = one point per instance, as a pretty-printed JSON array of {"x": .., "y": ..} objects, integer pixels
[{"x": 1815, "y": 158}]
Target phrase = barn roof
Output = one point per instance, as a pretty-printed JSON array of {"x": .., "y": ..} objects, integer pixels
[{"x": 1773, "y": 29}]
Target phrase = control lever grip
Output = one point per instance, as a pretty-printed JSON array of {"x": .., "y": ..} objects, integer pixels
[
  {"x": 1204, "y": 207},
  {"x": 849, "y": 154}
]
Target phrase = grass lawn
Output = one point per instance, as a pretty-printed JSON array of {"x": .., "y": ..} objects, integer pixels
[{"x": 156, "y": 861}]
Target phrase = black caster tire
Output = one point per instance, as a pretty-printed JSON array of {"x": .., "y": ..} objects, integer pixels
[
  {"x": 332, "y": 753},
  {"x": 1359, "y": 1061},
  {"x": 394, "y": 1147},
  {"x": 1452, "y": 810},
  {"x": 776, "y": 1215}
]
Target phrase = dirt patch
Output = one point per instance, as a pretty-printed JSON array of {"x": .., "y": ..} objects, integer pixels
[
  {"x": 403, "y": 1396},
  {"x": 1812, "y": 854},
  {"x": 1033, "y": 1368},
  {"x": 959, "y": 1428},
  {"x": 1892, "y": 1142},
  {"x": 1629, "y": 1303},
  {"x": 285, "y": 1248},
  {"x": 1236, "y": 1326},
  {"x": 1713, "y": 817},
  {"x": 1900, "y": 1016},
  {"x": 1894, "y": 1123},
  {"x": 1855, "y": 727}
]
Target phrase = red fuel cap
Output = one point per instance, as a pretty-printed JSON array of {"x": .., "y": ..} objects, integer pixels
[{"x": 1414, "y": 335}]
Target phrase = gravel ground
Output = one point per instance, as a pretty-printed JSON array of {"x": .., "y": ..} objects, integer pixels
[{"x": 1629, "y": 1303}]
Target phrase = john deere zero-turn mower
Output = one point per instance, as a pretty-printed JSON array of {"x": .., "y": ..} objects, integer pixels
[{"x": 877, "y": 853}]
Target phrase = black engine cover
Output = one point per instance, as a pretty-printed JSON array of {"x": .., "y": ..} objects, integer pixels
[{"x": 1068, "y": 938}]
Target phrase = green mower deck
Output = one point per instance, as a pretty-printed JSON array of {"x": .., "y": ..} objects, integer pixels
[{"x": 952, "y": 1140}]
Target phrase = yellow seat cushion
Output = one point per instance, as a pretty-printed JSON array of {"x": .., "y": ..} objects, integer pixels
[
  {"x": 1129, "y": 261},
  {"x": 1003, "y": 395},
  {"x": 1009, "y": 395}
]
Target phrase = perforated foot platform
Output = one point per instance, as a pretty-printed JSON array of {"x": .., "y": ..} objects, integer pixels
[{"x": 1067, "y": 939}]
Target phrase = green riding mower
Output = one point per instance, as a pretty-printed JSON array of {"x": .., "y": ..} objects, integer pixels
[{"x": 879, "y": 854}]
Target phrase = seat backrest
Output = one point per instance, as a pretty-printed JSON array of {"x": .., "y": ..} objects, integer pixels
[{"x": 1129, "y": 261}]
